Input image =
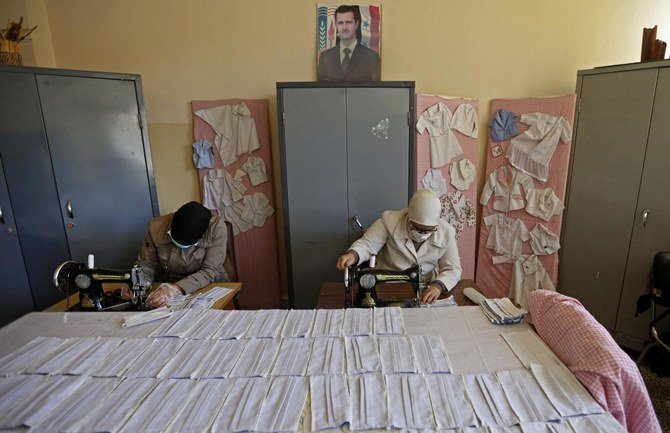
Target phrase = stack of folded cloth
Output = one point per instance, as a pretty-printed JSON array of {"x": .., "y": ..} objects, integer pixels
[{"x": 500, "y": 311}]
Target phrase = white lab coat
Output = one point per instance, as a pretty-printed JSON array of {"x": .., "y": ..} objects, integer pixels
[{"x": 388, "y": 237}]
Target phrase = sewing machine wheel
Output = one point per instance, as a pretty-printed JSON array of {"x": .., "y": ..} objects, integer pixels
[{"x": 63, "y": 273}]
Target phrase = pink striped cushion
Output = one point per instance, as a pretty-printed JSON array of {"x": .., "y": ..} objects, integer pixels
[{"x": 588, "y": 349}]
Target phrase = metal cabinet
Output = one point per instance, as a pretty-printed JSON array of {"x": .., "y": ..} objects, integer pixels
[
  {"x": 346, "y": 152},
  {"x": 78, "y": 171},
  {"x": 617, "y": 210}
]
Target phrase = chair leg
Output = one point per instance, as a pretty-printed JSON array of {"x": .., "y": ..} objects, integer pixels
[{"x": 645, "y": 352}]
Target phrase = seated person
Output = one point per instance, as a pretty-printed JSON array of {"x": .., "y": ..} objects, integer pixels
[
  {"x": 415, "y": 235},
  {"x": 185, "y": 250}
]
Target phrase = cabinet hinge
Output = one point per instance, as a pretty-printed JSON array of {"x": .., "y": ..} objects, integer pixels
[
  {"x": 139, "y": 121},
  {"x": 283, "y": 118},
  {"x": 409, "y": 118}
]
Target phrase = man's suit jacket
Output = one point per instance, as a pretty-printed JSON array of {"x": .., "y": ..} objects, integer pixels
[{"x": 363, "y": 65}]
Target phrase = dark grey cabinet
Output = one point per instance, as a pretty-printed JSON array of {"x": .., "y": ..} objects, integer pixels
[
  {"x": 346, "y": 151},
  {"x": 617, "y": 210},
  {"x": 78, "y": 172}
]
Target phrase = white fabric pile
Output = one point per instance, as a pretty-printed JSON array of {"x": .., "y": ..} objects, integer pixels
[{"x": 500, "y": 311}]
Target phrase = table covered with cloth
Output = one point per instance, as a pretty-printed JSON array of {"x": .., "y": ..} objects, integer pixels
[{"x": 431, "y": 369}]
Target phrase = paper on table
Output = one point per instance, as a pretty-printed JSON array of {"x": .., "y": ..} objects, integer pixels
[
  {"x": 283, "y": 404},
  {"x": 450, "y": 403},
  {"x": 429, "y": 354},
  {"x": 529, "y": 348},
  {"x": 331, "y": 402},
  {"x": 220, "y": 359},
  {"x": 396, "y": 354},
  {"x": 328, "y": 323},
  {"x": 526, "y": 396},
  {"x": 362, "y": 355},
  {"x": 298, "y": 323},
  {"x": 208, "y": 299},
  {"x": 327, "y": 357},
  {"x": 407, "y": 401},
  {"x": 368, "y": 402},
  {"x": 388, "y": 321},
  {"x": 292, "y": 357},
  {"x": 565, "y": 391}
]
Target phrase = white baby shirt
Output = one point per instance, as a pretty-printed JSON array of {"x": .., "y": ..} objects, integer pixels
[
  {"x": 543, "y": 203},
  {"x": 443, "y": 143},
  {"x": 434, "y": 181},
  {"x": 528, "y": 275},
  {"x": 504, "y": 185},
  {"x": 462, "y": 174},
  {"x": 532, "y": 150},
  {"x": 507, "y": 234},
  {"x": 543, "y": 241},
  {"x": 235, "y": 130},
  {"x": 255, "y": 167},
  {"x": 220, "y": 190},
  {"x": 465, "y": 120}
]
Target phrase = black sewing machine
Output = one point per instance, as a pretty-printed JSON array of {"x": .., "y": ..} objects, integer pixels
[
  {"x": 72, "y": 276},
  {"x": 367, "y": 278}
]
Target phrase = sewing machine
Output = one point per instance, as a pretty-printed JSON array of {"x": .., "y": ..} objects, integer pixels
[
  {"x": 72, "y": 276},
  {"x": 367, "y": 278}
]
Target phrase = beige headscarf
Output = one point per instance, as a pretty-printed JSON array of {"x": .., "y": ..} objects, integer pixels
[{"x": 424, "y": 208}]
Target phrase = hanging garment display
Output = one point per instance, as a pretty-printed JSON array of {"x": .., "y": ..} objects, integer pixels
[
  {"x": 235, "y": 130},
  {"x": 256, "y": 209},
  {"x": 465, "y": 120},
  {"x": 434, "y": 181},
  {"x": 504, "y": 185},
  {"x": 462, "y": 174},
  {"x": 443, "y": 143},
  {"x": 507, "y": 235},
  {"x": 221, "y": 190},
  {"x": 543, "y": 203},
  {"x": 528, "y": 275},
  {"x": 532, "y": 150},
  {"x": 255, "y": 168},
  {"x": 203, "y": 157},
  {"x": 543, "y": 241},
  {"x": 503, "y": 125},
  {"x": 458, "y": 211}
]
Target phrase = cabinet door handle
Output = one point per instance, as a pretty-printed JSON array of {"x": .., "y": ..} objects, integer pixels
[
  {"x": 358, "y": 223},
  {"x": 645, "y": 216},
  {"x": 2, "y": 217},
  {"x": 68, "y": 208}
]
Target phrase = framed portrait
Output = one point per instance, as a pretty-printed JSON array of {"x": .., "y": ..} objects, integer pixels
[{"x": 348, "y": 42}]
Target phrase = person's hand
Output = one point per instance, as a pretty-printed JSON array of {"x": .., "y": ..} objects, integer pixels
[
  {"x": 430, "y": 295},
  {"x": 346, "y": 259},
  {"x": 163, "y": 295},
  {"x": 126, "y": 293}
]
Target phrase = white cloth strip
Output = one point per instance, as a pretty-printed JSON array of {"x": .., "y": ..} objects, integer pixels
[
  {"x": 204, "y": 402},
  {"x": 76, "y": 405},
  {"x": 220, "y": 359},
  {"x": 124, "y": 399},
  {"x": 529, "y": 348},
  {"x": 63, "y": 357},
  {"x": 330, "y": 401},
  {"x": 177, "y": 324},
  {"x": 293, "y": 357},
  {"x": 298, "y": 323},
  {"x": 357, "y": 322},
  {"x": 256, "y": 358},
  {"x": 236, "y": 325},
  {"x": 396, "y": 354},
  {"x": 362, "y": 355},
  {"x": 118, "y": 361},
  {"x": 430, "y": 355},
  {"x": 29, "y": 354},
  {"x": 209, "y": 322},
  {"x": 154, "y": 359},
  {"x": 546, "y": 427},
  {"x": 449, "y": 400},
  {"x": 328, "y": 323},
  {"x": 147, "y": 316},
  {"x": 564, "y": 390},
  {"x": 36, "y": 406},
  {"x": 604, "y": 423},
  {"x": 408, "y": 401},
  {"x": 526, "y": 396},
  {"x": 327, "y": 357},
  {"x": 14, "y": 389},
  {"x": 160, "y": 407},
  {"x": 266, "y": 324},
  {"x": 283, "y": 404},
  {"x": 186, "y": 361},
  {"x": 368, "y": 402},
  {"x": 89, "y": 360},
  {"x": 389, "y": 321},
  {"x": 488, "y": 398},
  {"x": 240, "y": 411},
  {"x": 512, "y": 429}
]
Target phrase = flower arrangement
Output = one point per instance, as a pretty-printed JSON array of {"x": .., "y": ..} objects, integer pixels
[{"x": 10, "y": 38}]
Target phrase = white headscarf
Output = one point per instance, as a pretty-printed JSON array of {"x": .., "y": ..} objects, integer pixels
[{"x": 424, "y": 208}]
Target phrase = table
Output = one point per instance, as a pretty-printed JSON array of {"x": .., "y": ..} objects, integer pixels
[
  {"x": 228, "y": 302},
  {"x": 331, "y": 294}
]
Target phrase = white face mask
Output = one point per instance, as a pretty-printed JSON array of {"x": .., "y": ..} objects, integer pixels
[{"x": 419, "y": 237}]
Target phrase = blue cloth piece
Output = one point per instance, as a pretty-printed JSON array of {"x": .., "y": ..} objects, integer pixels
[
  {"x": 503, "y": 125},
  {"x": 203, "y": 157}
]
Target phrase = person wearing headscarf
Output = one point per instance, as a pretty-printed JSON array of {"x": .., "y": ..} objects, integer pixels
[
  {"x": 185, "y": 250},
  {"x": 408, "y": 237}
]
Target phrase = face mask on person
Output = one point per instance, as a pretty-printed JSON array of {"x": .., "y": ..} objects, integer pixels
[
  {"x": 178, "y": 245},
  {"x": 418, "y": 236}
]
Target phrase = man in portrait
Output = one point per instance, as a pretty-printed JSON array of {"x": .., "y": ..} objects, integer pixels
[{"x": 349, "y": 59}]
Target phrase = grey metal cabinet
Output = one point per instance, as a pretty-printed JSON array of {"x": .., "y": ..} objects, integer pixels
[
  {"x": 617, "y": 210},
  {"x": 78, "y": 170},
  {"x": 346, "y": 151}
]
